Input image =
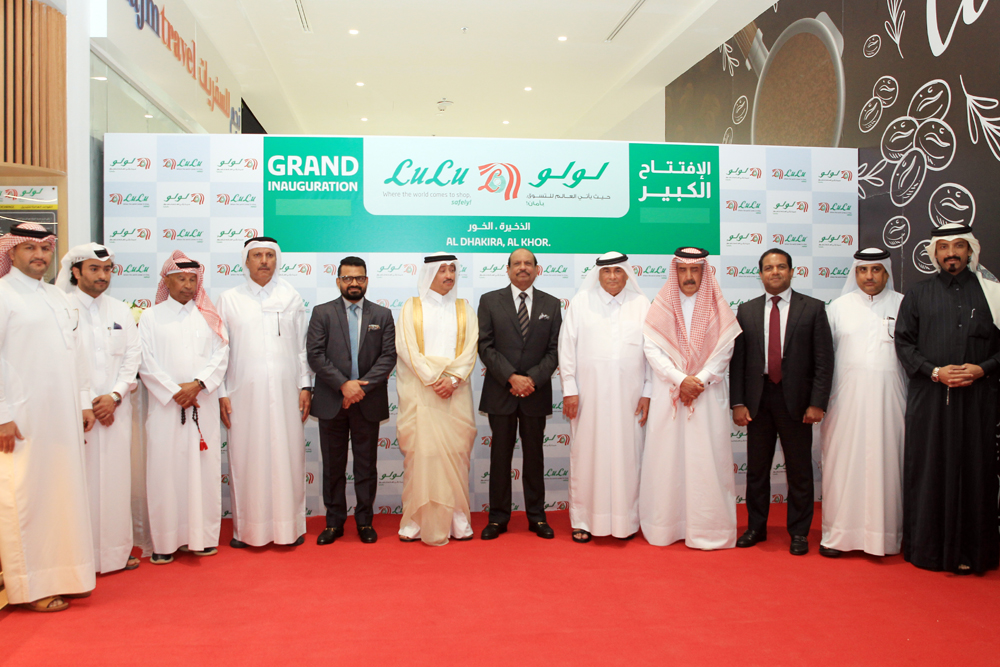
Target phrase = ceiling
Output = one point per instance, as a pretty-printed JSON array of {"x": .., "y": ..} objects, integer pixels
[{"x": 479, "y": 55}]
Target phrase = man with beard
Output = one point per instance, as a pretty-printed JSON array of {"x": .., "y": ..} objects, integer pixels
[
  {"x": 949, "y": 344},
  {"x": 264, "y": 401},
  {"x": 45, "y": 532},
  {"x": 185, "y": 352},
  {"x": 688, "y": 490},
  {"x": 519, "y": 345},
  {"x": 436, "y": 343},
  {"x": 351, "y": 346},
  {"x": 111, "y": 339},
  {"x": 862, "y": 434}
]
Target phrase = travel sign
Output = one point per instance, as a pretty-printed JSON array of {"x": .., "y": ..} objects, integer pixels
[{"x": 489, "y": 195}]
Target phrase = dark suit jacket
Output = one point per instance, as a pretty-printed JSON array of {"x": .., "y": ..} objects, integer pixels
[
  {"x": 505, "y": 351},
  {"x": 328, "y": 345},
  {"x": 806, "y": 362}
]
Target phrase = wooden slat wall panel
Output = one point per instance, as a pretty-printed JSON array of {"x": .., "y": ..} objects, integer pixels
[
  {"x": 33, "y": 54},
  {"x": 8, "y": 36}
]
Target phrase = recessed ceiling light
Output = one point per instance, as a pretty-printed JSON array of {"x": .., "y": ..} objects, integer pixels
[
  {"x": 360, "y": 83},
  {"x": 562, "y": 39},
  {"x": 149, "y": 115},
  {"x": 506, "y": 122},
  {"x": 527, "y": 88},
  {"x": 364, "y": 119},
  {"x": 353, "y": 32},
  {"x": 99, "y": 78}
]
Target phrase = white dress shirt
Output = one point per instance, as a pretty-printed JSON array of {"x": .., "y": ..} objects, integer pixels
[
  {"x": 517, "y": 297},
  {"x": 361, "y": 307}
]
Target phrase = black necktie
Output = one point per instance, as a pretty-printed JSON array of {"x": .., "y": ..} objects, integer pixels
[{"x": 522, "y": 315}]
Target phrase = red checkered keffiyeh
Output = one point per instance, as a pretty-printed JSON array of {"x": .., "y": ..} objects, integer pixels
[
  {"x": 712, "y": 326},
  {"x": 201, "y": 299},
  {"x": 20, "y": 233}
]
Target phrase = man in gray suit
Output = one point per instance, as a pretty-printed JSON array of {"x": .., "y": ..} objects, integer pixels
[
  {"x": 352, "y": 349},
  {"x": 519, "y": 345}
]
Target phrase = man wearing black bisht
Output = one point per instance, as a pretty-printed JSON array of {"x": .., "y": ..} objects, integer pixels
[{"x": 949, "y": 344}]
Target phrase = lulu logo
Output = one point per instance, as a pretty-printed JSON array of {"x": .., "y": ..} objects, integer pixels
[
  {"x": 557, "y": 473},
  {"x": 742, "y": 271},
  {"x": 395, "y": 303},
  {"x": 837, "y": 175},
  {"x": 749, "y": 172},
  {"x": 739, "y": 468},
  {"x": 802, "y": 271},
  {"x": 386, "y": 443},
  {"x": 515, "y": 473},
  {"x": 800, "y": 206},
  {"x": 836, "y": 240},
  {"x": 246, "y": 232},
  {"x": 130, "y": 269},
  {"x": 129, "y": 198},
  {"x": 650, "y": 270},
  {"x": 302, "y": 269},
  {"x": 398, "y": 270},
  {"x": 239, "y": 164},
  {"x": 791, "y": 174},
  {"x": 561, "y": 439},
  {"x": 791, "y": 239},
  {"x": 563, "y": 304},
  {"x": 134, "y": 162},
  {"x": 748, "y": 206},
  {"x": 552, "y": 269},
  {"x": 834, "y": 272},
  {"x": 310, "y": 478},
  {"x": 225, "y": 479},
  {"x": 826, "y": 207},
  {"x": 493, "y": 269},
  {"x": 235, "y": 199},
  {"x": 777, "y": 498},
  {"x": 557, "y": 505},
  {"x": 756, "y": 239},
  {"x": 172, "y": 164},
  {"x": 501, "y": 176},
  {"x": 138, "y": 232},
  {"x": 174, "y": 234},
  {"x": 226, "y": 269},
  {"x": 389, "y": 509},
  {"x": 179, "y": 198}
]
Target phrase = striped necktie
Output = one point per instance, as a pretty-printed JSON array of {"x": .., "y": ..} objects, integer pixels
[{"x": 522, "y": 315}]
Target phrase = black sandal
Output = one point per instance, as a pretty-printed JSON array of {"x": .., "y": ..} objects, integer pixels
[{"x": 581, "y": 536}]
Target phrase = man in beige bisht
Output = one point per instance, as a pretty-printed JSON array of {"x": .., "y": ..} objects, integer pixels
[
  {"x": 45, "y": 538},
  {"x": 436, "y": 340}
]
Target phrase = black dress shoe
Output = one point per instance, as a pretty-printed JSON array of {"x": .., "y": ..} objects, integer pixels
[
  {"x": 299, "y": 542},
  {"x": 541, "y": 529},
  {"x": 493, "y": 531},
  {"x": 828, "y": 552},
  {"x": 236, "y": 544},
  {"x": 800, "y": 545},
  {"x": 329, "y": 535},
  {"x": 367, "y": 534},
  {"x": 750, "y": 538}
]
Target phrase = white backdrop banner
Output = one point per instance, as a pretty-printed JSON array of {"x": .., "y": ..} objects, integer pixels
[{"x": 392, "y": 200}]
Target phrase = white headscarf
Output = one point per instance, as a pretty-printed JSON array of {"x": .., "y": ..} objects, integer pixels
[
  {"x": 429, "y": 270},
  {"x": 986, "y": 279},
  {"x": 79, "y": 254},
  {"x": 283, "y": 296},
  {"x": 592, "y": 281},
  {"x": 851, "y": 285}
]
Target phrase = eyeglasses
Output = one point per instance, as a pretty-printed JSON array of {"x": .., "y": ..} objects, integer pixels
[{"x": 347, "y": 280}]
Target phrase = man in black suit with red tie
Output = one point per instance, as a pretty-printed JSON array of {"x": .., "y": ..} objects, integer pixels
[
  {"x": 780, "y": 380},
  {"x": 518, "y": 343},
  {"x": 351, "y": 346}
]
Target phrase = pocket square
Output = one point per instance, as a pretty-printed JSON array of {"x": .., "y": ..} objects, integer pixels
[
  {"x": 373, "y": 327},
  {"x": 117, "y": 326},
  {"x": 544, "y": 316}
]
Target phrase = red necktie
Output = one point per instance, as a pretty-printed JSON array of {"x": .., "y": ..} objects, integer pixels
[{"x": 774, "y": 343}]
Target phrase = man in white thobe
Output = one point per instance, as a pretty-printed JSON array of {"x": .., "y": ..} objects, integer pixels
[
  {"x": 436, "y": 341},
  {"x": 862, "y": 436},
  {"x": 45, "y": 538},
  {"x": 264, "y": 401},
  {"x": 606, "y": 387},
  {"x": 111, "y": 340},
  {"x": 688, "y": 490},
  {"x": 185, "y": 352}
]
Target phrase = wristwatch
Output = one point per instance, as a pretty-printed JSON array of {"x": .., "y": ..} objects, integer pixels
[
  {"x": 200, "y": 383},
  {"x": 934, "y": 374},
  {"x": 454, "y": 381},
  {"x": 116, "y": 397}
]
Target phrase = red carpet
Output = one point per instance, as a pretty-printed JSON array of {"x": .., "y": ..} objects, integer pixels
[{"x": 518, "y": 600}]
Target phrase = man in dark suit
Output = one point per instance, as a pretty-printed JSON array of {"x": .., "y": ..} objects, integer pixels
[
  {"x": 352, "y": 348},
  {"x": 780, "y": 379},
  {"x": 518, "y": 343}
]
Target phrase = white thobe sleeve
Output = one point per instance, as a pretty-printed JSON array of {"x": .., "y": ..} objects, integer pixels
[
  {"x": 214, "y": 373},
  {"x": 660, "y": 364},
  {"x": 222, "y": 308},
  {"x": 715, "y": 368},
  {"x": 647, "y": 385},
  {"x": 567, "y": 354},
  {"x": 306, "y": 375},
  {"x": 5, "y": 415},
  {"x": 157, "y": 381},
  {"x": 81, "y": 356},
  {"x": 126, "y": 383}
]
